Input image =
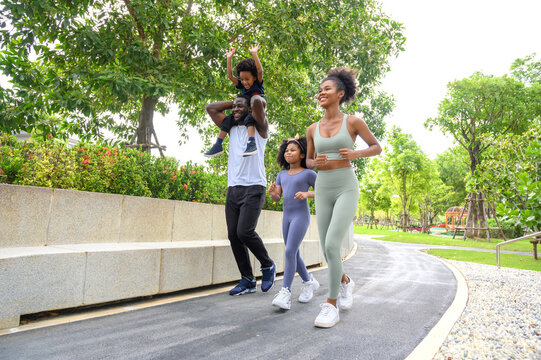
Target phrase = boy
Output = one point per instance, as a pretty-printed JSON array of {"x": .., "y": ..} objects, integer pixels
[{"x": 250, "y": 82}]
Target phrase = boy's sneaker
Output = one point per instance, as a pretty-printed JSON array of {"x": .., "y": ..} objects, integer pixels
[
  {"x": 282, "y": 299},
  {"x": 216, "y": 149},
  {"x": 269, "y": 274},
  {"x": 308, "y": 288},
  {"x": 251, "y": 149},
  {"x": 328, "y": 316},
  {"x": 345, "y": 295},
  {"x": 245, "y": 286}
]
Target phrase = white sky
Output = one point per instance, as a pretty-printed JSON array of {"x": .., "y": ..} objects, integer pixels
[{"x": 446, "y": 41}]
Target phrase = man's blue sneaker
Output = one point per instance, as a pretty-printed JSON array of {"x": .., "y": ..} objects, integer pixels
[
  {"x": 269, "y": 274},
  {"x": 251, "y": 148},
  {"x": 216, "y": 149},
  {"x": 245, "y": 286}
]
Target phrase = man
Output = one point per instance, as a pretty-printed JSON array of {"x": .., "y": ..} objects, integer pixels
[{"x": 246, "y": 183}]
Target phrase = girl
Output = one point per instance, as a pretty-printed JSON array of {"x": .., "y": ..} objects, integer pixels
[
  {"x": 330, "y": 148},
  {"x": 294, "y": 181}
]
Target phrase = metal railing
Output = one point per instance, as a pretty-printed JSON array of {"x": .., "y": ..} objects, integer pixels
[{"x": 512, "y": 241}]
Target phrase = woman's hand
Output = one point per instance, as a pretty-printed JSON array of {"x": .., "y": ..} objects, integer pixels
[
  {"x": 321, "y": 160},
  {"x": 348, "y": 154}
]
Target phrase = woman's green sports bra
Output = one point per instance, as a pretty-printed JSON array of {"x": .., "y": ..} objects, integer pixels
[{"x": 329, "y": 146}]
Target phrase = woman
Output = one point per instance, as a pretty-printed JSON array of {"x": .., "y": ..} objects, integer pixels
[{"x": 337, "y": 189}]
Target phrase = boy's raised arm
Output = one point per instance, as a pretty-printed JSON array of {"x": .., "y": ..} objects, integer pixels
[
  {"x": 253, "y": 50},
  {"x": 229, "y": 54}
]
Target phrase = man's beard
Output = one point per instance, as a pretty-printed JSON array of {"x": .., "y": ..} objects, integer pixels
[{"x": 241, "y": 120}]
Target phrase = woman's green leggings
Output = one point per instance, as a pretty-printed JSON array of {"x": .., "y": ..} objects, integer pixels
[{"x": 336, "y": 198}]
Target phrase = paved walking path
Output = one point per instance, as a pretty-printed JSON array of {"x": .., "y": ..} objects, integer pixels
[
  {"x": 429, "y": 246},
  {"x": 400, "y": 295}
]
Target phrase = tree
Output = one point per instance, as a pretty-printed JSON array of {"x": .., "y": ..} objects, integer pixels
[
  {"x": 511, "y": 175},
  {"x": 527, "y": 70},
  {"x": 372, "y": 194},
  {"x": 453, "y": 170},
  {"x": 483, "y": 104},
  {"x": 104, "y": 64},
  {"x": 404, "y": 163},
  {"x": 433, "y": 195}
]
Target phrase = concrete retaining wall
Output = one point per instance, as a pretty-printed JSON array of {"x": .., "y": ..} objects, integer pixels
[{"x": 63, "y": 248}]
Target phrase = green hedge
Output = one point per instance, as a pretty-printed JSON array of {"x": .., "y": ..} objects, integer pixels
[
  {"x": 110, "y": 169},
  {"x": 107, "y": 169}
]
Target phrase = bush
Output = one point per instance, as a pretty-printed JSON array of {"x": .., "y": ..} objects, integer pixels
[
  {"x": 107, "y": 169},
  {"x": 510, "y": 229}
]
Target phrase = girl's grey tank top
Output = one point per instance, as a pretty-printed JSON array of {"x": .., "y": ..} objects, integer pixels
[{"x": 329, "y": 146}]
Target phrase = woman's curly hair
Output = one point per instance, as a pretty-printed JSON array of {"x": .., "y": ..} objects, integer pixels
[
  {"x": 300, "y": 142},
  {"x": 345, "y": 79},
  {"x": 247, "y": 65}
]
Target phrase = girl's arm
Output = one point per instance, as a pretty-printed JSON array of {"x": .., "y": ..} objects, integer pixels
[
  {"x": 275, "y": 192},
  {"x": 253, "y": 50},
  {"x": 360, "y": 128},
  {"x": 229, "y": 54}
]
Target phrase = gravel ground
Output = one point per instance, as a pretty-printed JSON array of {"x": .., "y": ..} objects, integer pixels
[{"x": 502, "y": 319}]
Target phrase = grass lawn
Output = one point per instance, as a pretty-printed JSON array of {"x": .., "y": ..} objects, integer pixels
[
  {"x": 506, "y": 260},
  {"x": 421, "y": 238}
]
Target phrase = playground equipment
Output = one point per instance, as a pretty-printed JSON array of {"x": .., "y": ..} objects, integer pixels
[{"x": 455, "y": 217}]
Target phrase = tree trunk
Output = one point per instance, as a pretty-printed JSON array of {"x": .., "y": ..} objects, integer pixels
[
  {"x": 476, "y": 222},
  {"x": 476, "y": 219},
  {"x": 146, "y": 123}
]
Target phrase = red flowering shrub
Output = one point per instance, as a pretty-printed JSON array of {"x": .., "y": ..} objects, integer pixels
[{"x": 107, "y": 169}]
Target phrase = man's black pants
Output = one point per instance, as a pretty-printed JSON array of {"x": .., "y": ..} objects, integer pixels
[{"x": 242, "y": 209}]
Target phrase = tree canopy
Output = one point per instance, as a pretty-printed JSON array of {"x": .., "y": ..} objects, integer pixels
[
  {"x": 484, "y": 104},
  {"x": 104, "y": 64},
  {"x": 511, "y": 176}
]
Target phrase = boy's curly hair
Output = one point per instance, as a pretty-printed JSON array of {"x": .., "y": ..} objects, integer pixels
[
  {"x": 301, "y": 144},
  {"x": 247, "y": 65},
  {"x": 345, "y": 79}
]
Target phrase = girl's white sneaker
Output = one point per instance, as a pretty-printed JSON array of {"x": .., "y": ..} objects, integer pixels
[
  {"x": 328, "y": 316},
  {"x": 282, "y": 299},
  {"x": 307, "y": 289}
]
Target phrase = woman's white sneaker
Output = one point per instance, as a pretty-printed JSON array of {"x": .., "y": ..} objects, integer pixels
[
  {"x": 328, "y": 316},
  {"x": 345, "y": 295},
  {"x": 282, "y": 299},
  {"x": 307, "y": 289}
]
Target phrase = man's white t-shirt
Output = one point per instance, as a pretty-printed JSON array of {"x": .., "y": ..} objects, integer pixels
[{"x": 249, "y": 170}]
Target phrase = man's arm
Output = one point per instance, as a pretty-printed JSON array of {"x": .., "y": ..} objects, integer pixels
[
  {"x": 216, "y": 111},
  {"x": 258, "y": 113}
]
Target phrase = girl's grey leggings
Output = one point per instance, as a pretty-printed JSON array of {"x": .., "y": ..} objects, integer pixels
[{"x": 336, "y": 198}]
